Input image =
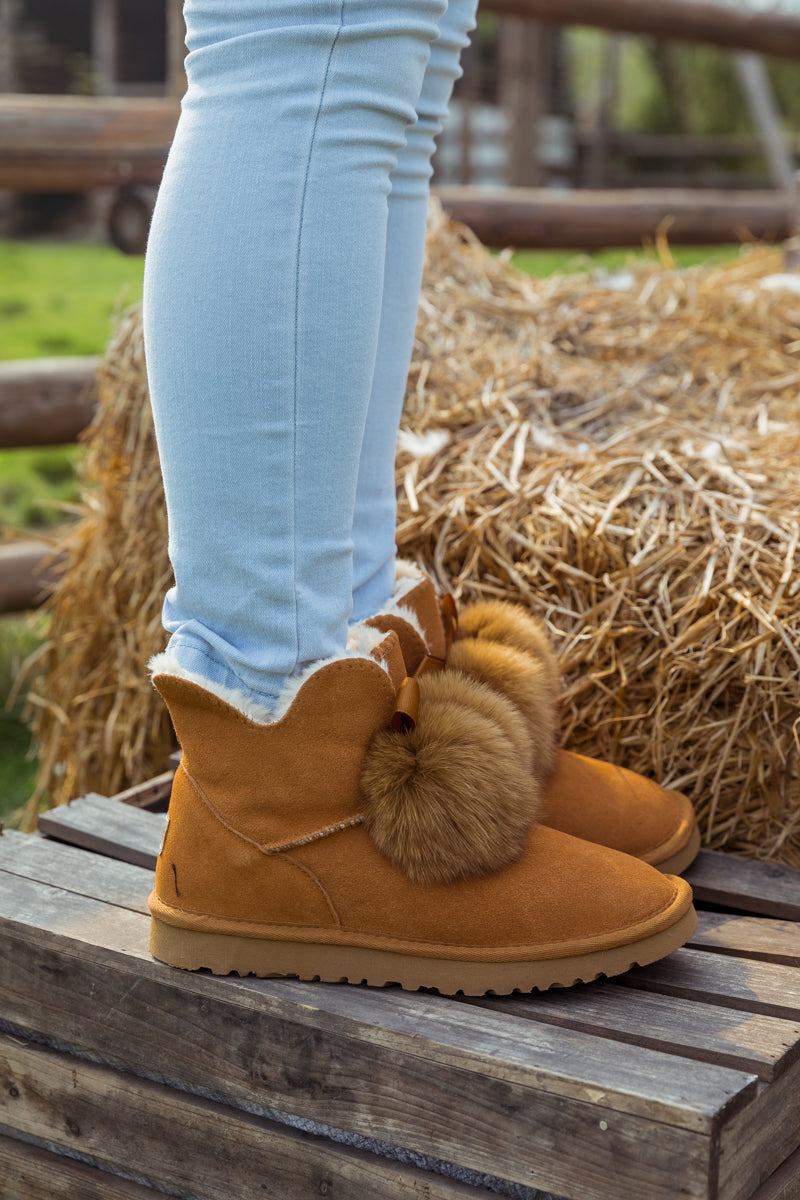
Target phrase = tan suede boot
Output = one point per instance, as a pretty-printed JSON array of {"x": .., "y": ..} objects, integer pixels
[
  {"x": 503, "y": 646},
  {"x": 270, "y": 862}
]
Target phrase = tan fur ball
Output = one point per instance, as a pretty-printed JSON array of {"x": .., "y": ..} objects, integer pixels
[
  {"x": 510, "y": 625},
  {"x": 452, "y": 799},
  {"x": 523, "y": 680}
]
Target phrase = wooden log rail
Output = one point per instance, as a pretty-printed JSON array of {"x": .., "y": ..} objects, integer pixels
[
  {"x": 75, "y": 143},
  {"x": 543, "y": 217},
  {"x": 46, "y": 401},
  {"x": 43, "y": 402},
  {"x": 724, "y": 25}
]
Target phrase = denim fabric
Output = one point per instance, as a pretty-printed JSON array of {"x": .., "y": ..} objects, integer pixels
[{"x": 267, "y": 319}]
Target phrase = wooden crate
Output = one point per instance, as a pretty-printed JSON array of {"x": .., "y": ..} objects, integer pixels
[{"x": 124, "y": 1078}]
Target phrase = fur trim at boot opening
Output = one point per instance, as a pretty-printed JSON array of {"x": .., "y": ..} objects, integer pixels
[{"x": 452, "y": 799}]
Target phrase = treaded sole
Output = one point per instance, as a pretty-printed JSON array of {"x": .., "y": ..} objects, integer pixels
[{"x": 224, "y": 954}]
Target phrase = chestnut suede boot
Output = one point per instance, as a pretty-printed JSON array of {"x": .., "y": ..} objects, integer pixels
[
  {"x": 503, "y": 646},
  {"x": 349, "y": 841}
]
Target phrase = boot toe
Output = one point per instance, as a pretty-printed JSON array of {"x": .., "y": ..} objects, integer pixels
[{"x": 616, "y": 807}]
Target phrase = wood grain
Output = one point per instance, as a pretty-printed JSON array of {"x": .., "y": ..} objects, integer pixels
[
  {"x": 414, "y": 1070},
  {"x": 98, "y": 823},
  {"x": 75, "y": 870},
  {"x": 30, "y": 1172},
  {"x": 746, "y": 984},
  {"x": 752, "y": 1148},
  {"x": 749, "y": 937},
  {"x": 784, "y": 1184},
  {"x": 746, "y": 885},
  {"x": 176, "y": 1141},
  {"x": 704, "y": 1032}
]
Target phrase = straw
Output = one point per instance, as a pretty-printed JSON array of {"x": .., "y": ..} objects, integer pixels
[{"x": 621, "y": 455}]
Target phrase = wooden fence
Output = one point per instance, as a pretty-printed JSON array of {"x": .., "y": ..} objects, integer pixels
[{"x": 43, "y": 402}]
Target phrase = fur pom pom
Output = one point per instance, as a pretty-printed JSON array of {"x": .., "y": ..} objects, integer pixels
[
  {"x": 523, "y": 680},
  {"x": 510, "y": 625},
  {"x": 453, "y": 799}
]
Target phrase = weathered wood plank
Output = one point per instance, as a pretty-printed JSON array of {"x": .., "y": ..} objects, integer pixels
[
  {"x": 751, "y": 1150},
  {"x": 98, "y": 823},
  {"x": 749, "y": 937},
  {"x": 746, "y": 885},
  {"x": 31, "y": 1173},
  {"x": 127, "y": 1124},
  {"x": 784, "y": 1184},
  {"x": 75, "y": 870},
  {"x": 705, "y": 1032},
  {"x": 746, "y": 984},
  {"x": 412, "y": 1070},
  {"x": 153, "y": 792}
]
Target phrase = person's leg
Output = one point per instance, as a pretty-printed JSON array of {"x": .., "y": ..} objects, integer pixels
[
  {"x": 375, "y": 508},
  {"x": 262, "y": 300}
]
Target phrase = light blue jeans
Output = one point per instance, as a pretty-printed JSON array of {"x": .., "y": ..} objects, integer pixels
[{"x": 281, "y": 287}]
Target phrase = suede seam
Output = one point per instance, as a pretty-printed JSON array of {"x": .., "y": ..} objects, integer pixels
[
  {"x": 307, "y": 871},
  {"x": 279, "y": 847}
]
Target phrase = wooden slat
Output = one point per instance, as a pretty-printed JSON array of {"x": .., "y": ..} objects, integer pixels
[
  {"x": 749, "y": 937},
  {"x": 705, "y": 1032},
  {"x": 75, "y": 870},
  {"x": 46, "y": 401},
  {"x": 784, "y": 1184},
  {"x": 107, "y": 827},
  {"x": 414, "y": 1070},
  {"x": 590, "y": 219},
  {"x": 763, "y": 1045},
  {"x": 131, "y": 1125},
  {"x": 745, "y": 884},
  {"x": 746, "y": 984},
  {"x": 751, "y": 1149},
  {"x": 30, "y": 1172},
  {"x": 153, "y": 792}
]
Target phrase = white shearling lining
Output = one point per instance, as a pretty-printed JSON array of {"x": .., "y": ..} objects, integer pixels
[
  {"x": 404, "y": 568},
  {"x": 361, "y": 641},
  {"x": 167, "y": 664},
  {"x": 408, "y": 575}
]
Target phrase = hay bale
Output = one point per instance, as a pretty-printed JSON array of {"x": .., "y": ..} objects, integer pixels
[
  {"x": 623, "y": 457},
  {"x": 97, "y": 722}
]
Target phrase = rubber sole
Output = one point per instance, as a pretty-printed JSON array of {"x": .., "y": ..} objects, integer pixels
[
  {"x": 682, "y": 858},
  {"x": 224, "y": 954}
]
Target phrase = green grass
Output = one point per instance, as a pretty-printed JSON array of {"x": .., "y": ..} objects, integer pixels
[
  {"x": 19, "y": 637},
  {"x": 60, "y": 298},
  {"x": 55, "y": 299},
  {"x": 542, "y": 263}
]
